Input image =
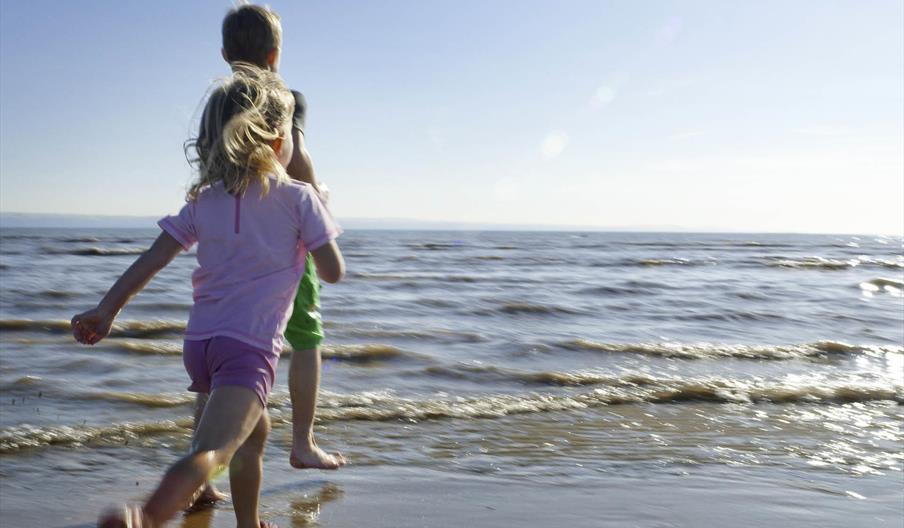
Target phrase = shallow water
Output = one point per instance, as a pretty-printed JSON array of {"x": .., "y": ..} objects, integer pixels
[{"x": 494, "y": 379}]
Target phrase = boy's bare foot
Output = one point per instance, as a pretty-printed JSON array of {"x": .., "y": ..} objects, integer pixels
[
  {"x": 208, "y": 498},
  {"x": 126, "y": 516},
  {"x": 312, "y": 457}
]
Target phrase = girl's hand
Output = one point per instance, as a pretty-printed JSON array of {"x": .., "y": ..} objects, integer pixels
[{"x": 91, "y": 326}]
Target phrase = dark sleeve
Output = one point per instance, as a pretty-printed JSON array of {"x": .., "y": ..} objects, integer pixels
[{"x": 301, "y": 107}]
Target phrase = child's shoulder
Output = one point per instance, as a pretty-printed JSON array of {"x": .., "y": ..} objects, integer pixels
[{"x": 291, "y": 187}]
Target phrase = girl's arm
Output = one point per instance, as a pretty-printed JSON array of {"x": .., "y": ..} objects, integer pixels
[
  {"x": 92, "y": 326},
  {"x": 329, "y": 262}
]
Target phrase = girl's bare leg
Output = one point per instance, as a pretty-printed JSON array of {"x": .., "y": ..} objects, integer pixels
[
  {"x": 246, "y": 471},
  {"x": 230, "y": 416},
  {"x": 209, "y": 494}
]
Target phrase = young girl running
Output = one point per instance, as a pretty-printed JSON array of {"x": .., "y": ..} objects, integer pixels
[{"x": 253, "y": 227}]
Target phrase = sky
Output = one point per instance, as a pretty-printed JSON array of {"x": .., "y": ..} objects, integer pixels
[{"x": 768, "y": 116}]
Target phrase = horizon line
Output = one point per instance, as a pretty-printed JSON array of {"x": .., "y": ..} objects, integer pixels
[{"x": 46, "y": 220}]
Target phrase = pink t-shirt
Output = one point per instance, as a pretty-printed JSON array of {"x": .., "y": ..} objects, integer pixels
[{"x": 251, "y": 255}]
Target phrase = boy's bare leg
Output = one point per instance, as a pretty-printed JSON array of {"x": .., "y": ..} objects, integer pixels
[
  {"x": 246, "y": 471},
  {"x": 304, "y": 383},
  {"x": 209, "y": 494}
]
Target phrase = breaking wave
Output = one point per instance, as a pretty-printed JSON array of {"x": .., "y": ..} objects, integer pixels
[
  {"x": 720, "y": 351},
  {"x": 137, "y": 329}
]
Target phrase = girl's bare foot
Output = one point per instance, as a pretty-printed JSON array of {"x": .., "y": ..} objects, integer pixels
[
  {"x": 208, "y": 498},
  {"x": 312, "y": 457},
  {"x": 126, "y": 516}
]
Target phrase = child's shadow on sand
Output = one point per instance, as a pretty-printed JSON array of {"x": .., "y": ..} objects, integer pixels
[{"x": 303, "y": 511}]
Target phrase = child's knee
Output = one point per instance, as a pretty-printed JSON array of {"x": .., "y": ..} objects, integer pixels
[{"x": 258, "y": 437}]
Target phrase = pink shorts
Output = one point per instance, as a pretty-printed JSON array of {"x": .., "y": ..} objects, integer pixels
[{"x": 220, "y": 361}]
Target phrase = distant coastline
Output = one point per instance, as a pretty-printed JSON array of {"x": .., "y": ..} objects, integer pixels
[
  {"x": 77, "y": 221},
  {"x": 13, "y": 220}
]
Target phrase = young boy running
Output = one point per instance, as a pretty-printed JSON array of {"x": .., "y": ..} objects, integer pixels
[{"x": 252, "y": 34}]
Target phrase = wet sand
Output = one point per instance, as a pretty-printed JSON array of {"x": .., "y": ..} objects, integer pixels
[{"x": 84, "y": 480}]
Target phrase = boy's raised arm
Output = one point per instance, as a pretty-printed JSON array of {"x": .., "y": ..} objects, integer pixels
[
  {"x": 92, "y": 326},
  {"x": 301, "y": 167}
]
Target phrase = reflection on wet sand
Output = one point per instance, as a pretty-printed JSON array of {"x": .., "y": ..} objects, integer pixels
[
  {"x": 303, "y": 510},
  {"x": 306, "y": 508}
]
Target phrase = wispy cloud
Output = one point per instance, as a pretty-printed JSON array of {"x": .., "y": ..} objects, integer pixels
[
  {"x": 553, "y": 144},
  {"x": 604, "y": 95},
  {"x": 607, "y": 91}
]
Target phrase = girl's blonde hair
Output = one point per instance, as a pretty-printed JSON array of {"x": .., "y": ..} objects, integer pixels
[{"x": 241, "y": 119}]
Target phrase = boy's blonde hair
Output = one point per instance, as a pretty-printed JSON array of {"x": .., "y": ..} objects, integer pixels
[
  {"x": 241, "y": 119},
  {"x": 250, "y": 33}
]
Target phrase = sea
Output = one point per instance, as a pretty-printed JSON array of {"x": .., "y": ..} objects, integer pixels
[{"x": 488, "y": 379}]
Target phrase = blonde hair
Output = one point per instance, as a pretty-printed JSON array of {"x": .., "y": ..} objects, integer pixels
[
  {"x": 250, "y": 33},
  {"x": 241, "y": 119}
]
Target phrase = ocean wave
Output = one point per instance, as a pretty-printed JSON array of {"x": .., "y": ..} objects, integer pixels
[
  {"x": 165, "y": 306},
  {"x": 136, "y": 329},
  {"x": 101, "y": 252},
  {"x": 17, "y": 438},
  {"x": 720, "y": 351},
  {"x": 6, "y": 236},
  {"x": 836, "y": 264},
  {"x": 523, "y": 308},
  {"x": 707, "y": 245},
  {"x": 653, "y": 262},
  {"x": 386, "y": 406},
  {"x": 668, "y": 262},
  {"x": 79, "y": 240},
  {"x": 412, "y": 276},
  {"x": 637, "y": 388},
  {"x": 353, "y": 353},
  {"x": 57, "y": 294},
  {"x": 143, "y": 399},
  {"x": 440, "y": 335},
  {"x": 654, "y": 389},
  {"x": 22, "y": 383},
  {"x": 148, "y": 329},
  {"x": 892, "y": 286},
  {"x": 27, "y": 380},
  {"x": 485, "y": 373},
  {"x": 627, "y": 288},
  {"x": 365, "y": 353},
  {"x": 610, "y": 290},
  {"x": 145, "y": 347},
  {"x": 51, "y": 326},
  {"x": 731, "y": 316},
  {"x": 434, "y": 246}
]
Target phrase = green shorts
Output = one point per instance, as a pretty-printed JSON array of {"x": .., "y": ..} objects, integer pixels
[{"x": 305, "y": 328}]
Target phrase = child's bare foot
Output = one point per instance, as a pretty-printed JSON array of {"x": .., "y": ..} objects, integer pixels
[
  {"x": 208, "y": 498},
  {"x": 310, "y": 456},
  {"x": 126, "y": 516}
]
